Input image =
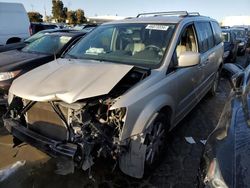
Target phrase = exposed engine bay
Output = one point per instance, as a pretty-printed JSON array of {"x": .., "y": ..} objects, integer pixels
[{"x": 89, "y": 124}]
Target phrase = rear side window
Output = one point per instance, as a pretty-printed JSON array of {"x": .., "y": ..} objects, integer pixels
[
  {"x": 217, "y": 32},
  {"x": 205, "y": 36}
]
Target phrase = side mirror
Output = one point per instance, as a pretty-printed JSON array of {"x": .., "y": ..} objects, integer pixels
[
  {"x": 188, "y": 59},
  {"x": 234, "y": 73}
]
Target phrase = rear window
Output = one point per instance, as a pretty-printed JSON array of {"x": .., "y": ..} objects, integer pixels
[
  {"x": 217, "y": 32},
  {"x": 205, "y": 36}
]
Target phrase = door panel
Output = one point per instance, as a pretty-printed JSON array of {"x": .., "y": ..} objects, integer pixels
[
  {"x": 186, "y": 79},
  {"x": 208, "y": 62}
]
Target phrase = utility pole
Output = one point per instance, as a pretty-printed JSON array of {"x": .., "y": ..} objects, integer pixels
[
  {"x": 32, "y": 7},
  {"x": 45, "y": 12}
]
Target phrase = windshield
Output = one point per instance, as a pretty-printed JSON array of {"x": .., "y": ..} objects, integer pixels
[
  {"x": 48, "y": 44},
  {"x": 226, "y": 37},
  {"x": 240, "y": 33},
  {"x": 136, "y": 44},
  {"x": 35, "y": 37}
]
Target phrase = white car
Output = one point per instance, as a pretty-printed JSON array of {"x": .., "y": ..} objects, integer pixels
[{"x": 14, "y": 23}]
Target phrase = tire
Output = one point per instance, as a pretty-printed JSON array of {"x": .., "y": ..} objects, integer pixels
[
  {"x": 156, "y": 141},
  {"x": 233, "y": 58},
  {"x": 242, "y": 53},
  {"x": 214, "y": 87}
]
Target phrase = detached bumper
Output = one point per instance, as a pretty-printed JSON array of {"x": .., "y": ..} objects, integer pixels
[{"x": 51, "y": 147}]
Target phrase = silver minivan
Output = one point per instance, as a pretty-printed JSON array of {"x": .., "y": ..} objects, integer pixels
[{"x": 118, "y": 91}]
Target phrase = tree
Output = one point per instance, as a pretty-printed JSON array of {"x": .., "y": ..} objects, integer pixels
[
  {"x": 80, "y": 17},
  {"x": 59, "y": 12},
  {"x": 35, "y": 17},
  {"x": 71, "y": 17}
]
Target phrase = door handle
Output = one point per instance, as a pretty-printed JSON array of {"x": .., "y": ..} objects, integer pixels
[
  {"x": 204, "y": 63},
  {"x": 207, "y": 61}
]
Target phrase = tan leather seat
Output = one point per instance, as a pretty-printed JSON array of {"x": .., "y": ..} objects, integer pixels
[
  {"x": 180, "y": 49},
  {"x": 136, "y": 45}
]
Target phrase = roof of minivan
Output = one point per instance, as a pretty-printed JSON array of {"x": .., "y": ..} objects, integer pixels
[
  {"x": 69, "y": 33},
  {"x": 158, "y": 19}
]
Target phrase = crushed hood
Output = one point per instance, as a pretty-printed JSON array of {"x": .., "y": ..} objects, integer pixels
[{"x": 69, "y": 80}]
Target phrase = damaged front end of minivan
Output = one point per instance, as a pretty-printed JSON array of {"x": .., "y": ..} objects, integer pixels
[{"x": 81, "y": 131}]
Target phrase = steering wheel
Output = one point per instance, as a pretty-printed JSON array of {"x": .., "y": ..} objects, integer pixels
[{"x": 156, "y": 48}]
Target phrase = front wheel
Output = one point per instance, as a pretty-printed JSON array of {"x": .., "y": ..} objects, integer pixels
[{"x": 156, "y": 141}]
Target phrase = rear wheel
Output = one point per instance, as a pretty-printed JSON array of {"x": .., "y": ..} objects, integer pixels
[
  {"x": 216, "y": 81},
  {"x": 155, "y": 142}
]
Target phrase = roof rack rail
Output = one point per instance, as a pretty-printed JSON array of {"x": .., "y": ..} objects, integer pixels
[
  {"x": 180, "y": 13},
  {"x": 170, "y": 13},
  {"x": 193, "y": 14}
]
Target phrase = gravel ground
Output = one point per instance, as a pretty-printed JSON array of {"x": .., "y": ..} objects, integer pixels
[{"x": 178, "y": 168}]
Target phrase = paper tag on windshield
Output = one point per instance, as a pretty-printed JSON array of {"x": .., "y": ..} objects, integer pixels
[
  {"x": 157, "y": 27},
  {"x": 64, "y": 39}
]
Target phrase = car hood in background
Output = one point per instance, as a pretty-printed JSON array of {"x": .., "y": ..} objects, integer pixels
[
  {"x": 13, "y": 58},
  {"x": 69, "y": 80}
]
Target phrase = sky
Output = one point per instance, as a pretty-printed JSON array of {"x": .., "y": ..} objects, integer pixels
[{"x": 217, "y": 9}]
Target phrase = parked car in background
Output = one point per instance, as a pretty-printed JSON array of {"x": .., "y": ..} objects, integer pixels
[
  {"x": 248, "y": 34},
  {"x": 241, "y": 36},
  {"x": 34, "y": 37},
  {"x": 43, "y": 50},
  {"x": 119, "y": 90},
  {"x": 84, "y": 26},
  {"x": 230, "y": 45},
  {"x": 14, "y": 23},
  {"x": 36, "y": 27},
  {"x": 225, "y": 161}
]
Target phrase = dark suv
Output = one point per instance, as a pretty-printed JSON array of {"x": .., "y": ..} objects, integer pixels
[
  {"x": 241, "y": 36},
  {"x": 36, "y": 27},
  {"x": 230, "y": 45}
]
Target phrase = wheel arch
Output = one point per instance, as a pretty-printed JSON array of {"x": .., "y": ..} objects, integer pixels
[
  {"x": 162, "y": 103},
  {"x": 13, "y": 40}
]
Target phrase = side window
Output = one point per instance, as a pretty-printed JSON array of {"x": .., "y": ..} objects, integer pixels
[
  {"x": 205, "y": 36},
  {"x": 103, "y": 41},
  {"x": 217, "y": 32},
  {"x": 187, "y": 41}
]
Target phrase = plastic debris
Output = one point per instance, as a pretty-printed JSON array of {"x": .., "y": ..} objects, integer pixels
[
  {"x": 203, "y": 141},
  {"x": 190, "y": 140},
  {"x": 6, "y": 172}
]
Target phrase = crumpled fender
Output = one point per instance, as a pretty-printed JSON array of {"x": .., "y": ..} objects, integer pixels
[{"x": 132, "y": 162}]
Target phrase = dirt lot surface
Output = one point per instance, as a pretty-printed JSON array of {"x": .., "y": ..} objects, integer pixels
[{"x": 27, "y": 167}]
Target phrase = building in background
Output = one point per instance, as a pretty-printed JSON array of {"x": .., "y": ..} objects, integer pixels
[{"x": 236, "y": 21}]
